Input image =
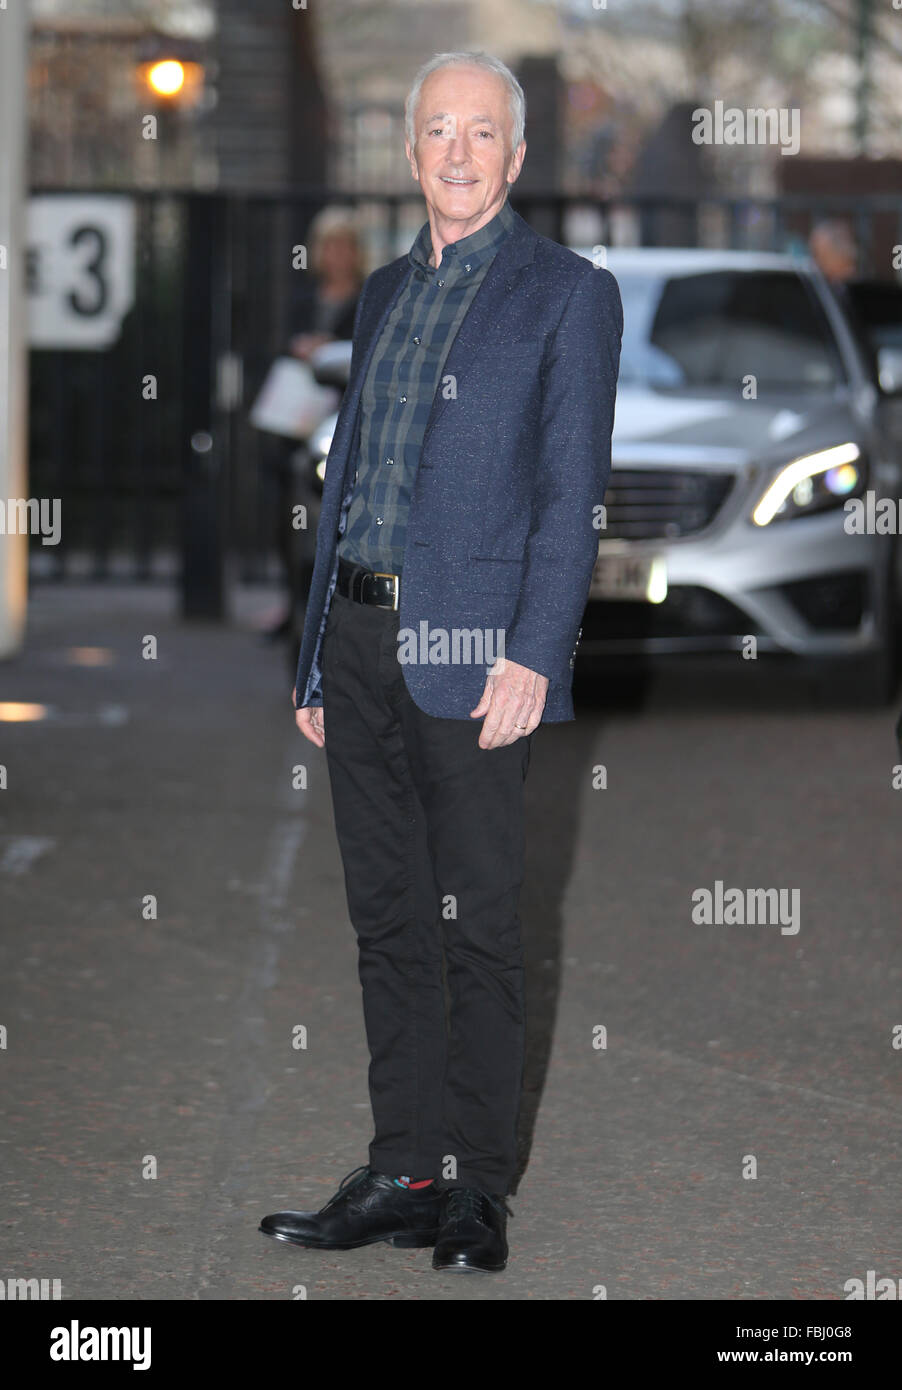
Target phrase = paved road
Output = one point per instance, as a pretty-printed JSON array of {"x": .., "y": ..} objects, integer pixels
[{"x": 168, "y": 1042}]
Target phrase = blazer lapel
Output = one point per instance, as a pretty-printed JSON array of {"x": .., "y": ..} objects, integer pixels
[
  {"x": 513, "y": 255},
  {"x": 389, "y": 298},
  {"x": 349, "y": 408},
  {"x": 515, "y": 252}
]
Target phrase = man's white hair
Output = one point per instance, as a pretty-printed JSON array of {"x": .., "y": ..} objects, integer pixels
[{"x": 516, "y": 96}]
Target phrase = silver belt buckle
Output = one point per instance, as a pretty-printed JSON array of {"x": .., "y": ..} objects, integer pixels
[{"x": 377, "y": 574}]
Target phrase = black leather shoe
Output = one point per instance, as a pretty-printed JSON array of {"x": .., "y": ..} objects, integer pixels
[
  {"x": 367, "y": 1207},
  {"x": 473, "y": 1231}
]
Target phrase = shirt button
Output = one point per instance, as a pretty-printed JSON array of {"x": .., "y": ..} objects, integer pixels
[
  {"x": 439, "y": 282},
  {"x": 468, "y": 267},
  {"x": 389, "y": 462},
  {"x": 378, "y": 521},
  {"x": 417, "y": 341},
  {"x": 402, "y": 399}
]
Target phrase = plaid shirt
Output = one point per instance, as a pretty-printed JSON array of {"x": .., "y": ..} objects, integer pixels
[{"x": 404, "y": 374}]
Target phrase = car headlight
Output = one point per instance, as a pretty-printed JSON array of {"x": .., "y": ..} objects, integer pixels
[
  {"x": 321, "y": 441},
  {"x": 812, "y": 483}
]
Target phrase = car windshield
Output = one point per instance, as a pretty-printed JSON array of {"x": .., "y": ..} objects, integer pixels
[{"x": 715, "y": 330}]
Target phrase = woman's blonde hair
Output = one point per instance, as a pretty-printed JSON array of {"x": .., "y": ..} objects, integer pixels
[{"x": 332, "y": 222}]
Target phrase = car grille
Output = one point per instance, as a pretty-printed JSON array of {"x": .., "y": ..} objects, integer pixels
[
  {"x": 687, "y": 611},
  {"x": 649, "y": 504}
]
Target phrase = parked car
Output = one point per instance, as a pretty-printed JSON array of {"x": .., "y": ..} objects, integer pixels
[
  {"x": 748, "y": 427},
  {"x": 877, "y": 304}
]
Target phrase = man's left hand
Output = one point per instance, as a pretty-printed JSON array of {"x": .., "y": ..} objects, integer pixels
[{"x": 512, "y": 703}]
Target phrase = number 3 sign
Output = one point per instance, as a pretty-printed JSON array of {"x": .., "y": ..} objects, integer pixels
[{"x": 81, "y": 269}]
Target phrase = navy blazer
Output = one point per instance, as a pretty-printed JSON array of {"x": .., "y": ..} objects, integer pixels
[{"x": 503, "y": 524}]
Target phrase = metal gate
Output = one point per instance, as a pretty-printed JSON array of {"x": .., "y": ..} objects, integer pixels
[{"x": 147, "y": 442}]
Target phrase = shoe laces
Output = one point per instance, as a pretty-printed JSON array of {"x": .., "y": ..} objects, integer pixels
[
  {"x": 350, "y": 1180},
  {"x": 468, "y": 1201}
]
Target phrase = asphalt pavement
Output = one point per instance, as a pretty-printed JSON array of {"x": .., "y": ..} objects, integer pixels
[{"x": 712, "y": 1110}]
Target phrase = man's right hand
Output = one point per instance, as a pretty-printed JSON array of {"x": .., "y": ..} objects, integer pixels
[{"x": 310, "y": 722}]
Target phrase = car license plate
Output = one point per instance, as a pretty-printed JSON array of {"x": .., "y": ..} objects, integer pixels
[{"x": 638, "y": 578}]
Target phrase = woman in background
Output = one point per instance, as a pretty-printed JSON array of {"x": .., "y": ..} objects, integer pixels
[
  {"x": 323, "y": 306},
  {"x": 322, "y": 310}
]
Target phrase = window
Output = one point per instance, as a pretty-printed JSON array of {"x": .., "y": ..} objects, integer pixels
[{"x": 713, "y": 330}]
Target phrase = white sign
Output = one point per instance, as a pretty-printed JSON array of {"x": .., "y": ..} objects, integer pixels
[{"x": 81, "y": 269}]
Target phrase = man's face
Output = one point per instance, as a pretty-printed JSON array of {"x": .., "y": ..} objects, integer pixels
[
  {"x": 836, "y": 262},
  {"x": 462, "y": 158}
]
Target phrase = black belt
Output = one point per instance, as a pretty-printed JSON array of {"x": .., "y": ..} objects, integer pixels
[{"x": 368, "y": 586}]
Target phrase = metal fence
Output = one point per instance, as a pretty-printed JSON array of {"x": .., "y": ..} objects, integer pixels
[{"x": 182, "y": 486}]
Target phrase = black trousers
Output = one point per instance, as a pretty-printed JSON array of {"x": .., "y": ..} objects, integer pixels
[{"x": 430, "y": 828}]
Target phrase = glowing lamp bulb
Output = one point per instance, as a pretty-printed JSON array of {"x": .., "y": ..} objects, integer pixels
[{"x": 167, "y": 77}]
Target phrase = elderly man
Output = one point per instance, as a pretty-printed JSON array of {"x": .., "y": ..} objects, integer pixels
[{"x": 455, "y": 549}]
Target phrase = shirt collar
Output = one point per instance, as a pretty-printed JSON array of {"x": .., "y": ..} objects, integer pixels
[{"x": 471, "y": 250}]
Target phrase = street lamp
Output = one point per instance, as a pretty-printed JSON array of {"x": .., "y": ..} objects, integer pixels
[
  {"x": 169, "y": 76},
  {"x": 169, "y": 71}
]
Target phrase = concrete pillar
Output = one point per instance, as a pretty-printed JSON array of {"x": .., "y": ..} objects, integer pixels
[{"x": 13, "y": 348}]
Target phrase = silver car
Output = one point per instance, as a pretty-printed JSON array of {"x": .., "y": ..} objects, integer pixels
[{"x": 755, "y": 471}]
